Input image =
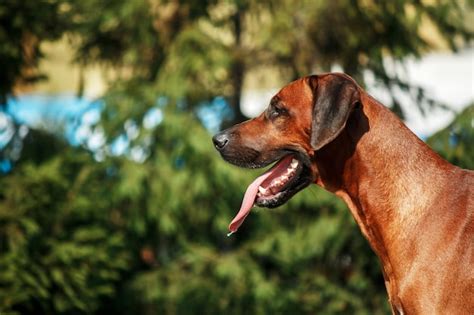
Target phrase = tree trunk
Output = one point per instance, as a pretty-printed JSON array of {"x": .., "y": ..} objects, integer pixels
[{"x": 237, "y": 69}]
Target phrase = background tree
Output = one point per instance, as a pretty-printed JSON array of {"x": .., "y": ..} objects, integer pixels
[
  {"x": 133, "y": 36},
  {"x": 453, "y": 141},
  {"x": 24, "y": 25},
  {"x": 207, "y": 48},
  {"x": 359, "y": 37}
]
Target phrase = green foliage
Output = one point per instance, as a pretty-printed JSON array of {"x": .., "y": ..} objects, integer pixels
[
  {"x": 133, "y": 35},
  {"x": 60, "y": 251},
  {"x": 454, "y": 143}
]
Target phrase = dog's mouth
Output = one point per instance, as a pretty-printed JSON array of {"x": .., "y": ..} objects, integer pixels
[
  {"x": 276, "y": 186},
  {"x": 281, "y": 180}
]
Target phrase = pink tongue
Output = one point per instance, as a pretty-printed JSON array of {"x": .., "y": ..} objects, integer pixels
[{"x": 251, "y": 193}]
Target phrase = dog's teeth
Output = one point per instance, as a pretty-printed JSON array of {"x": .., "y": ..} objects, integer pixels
[
  {"x": 294, "y": 163},
  {"x": 262, "y": 190},
  {"x": 273, "y": 190}
]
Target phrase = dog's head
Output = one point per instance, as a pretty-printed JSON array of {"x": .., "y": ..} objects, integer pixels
[{"x": 301, "y": 118}]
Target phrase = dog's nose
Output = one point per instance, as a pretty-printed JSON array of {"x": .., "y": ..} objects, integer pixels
[{"x": 220, "y": 140}]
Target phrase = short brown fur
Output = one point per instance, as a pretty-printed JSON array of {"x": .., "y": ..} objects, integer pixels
[{"x": 415, "y": 209}]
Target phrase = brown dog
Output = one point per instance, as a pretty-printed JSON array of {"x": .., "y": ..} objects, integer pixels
[{"x": 415, "y": 209}]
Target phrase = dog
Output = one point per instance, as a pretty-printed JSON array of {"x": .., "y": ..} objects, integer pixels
[{"x": 415, "y": 209}]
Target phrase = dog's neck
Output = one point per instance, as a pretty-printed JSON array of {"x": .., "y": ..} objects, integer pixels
[{"x": 381, "y": 181}]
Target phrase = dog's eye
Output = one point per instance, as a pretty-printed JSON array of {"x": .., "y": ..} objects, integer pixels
[{"x": 275, "y": 112}]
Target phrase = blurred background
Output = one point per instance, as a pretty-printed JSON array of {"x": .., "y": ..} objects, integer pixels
[{"x": 112, "y": 198}]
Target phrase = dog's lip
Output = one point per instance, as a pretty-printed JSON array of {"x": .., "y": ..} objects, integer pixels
[
  {"x": 274, "y": 160},
  {"x": 282, "y": 153}
]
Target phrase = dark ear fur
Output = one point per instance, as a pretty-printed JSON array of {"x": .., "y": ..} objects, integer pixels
[{"x": 334, "y": 98}]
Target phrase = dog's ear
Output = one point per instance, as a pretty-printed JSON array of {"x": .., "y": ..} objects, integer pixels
[{"x": 334, "y": 97}]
